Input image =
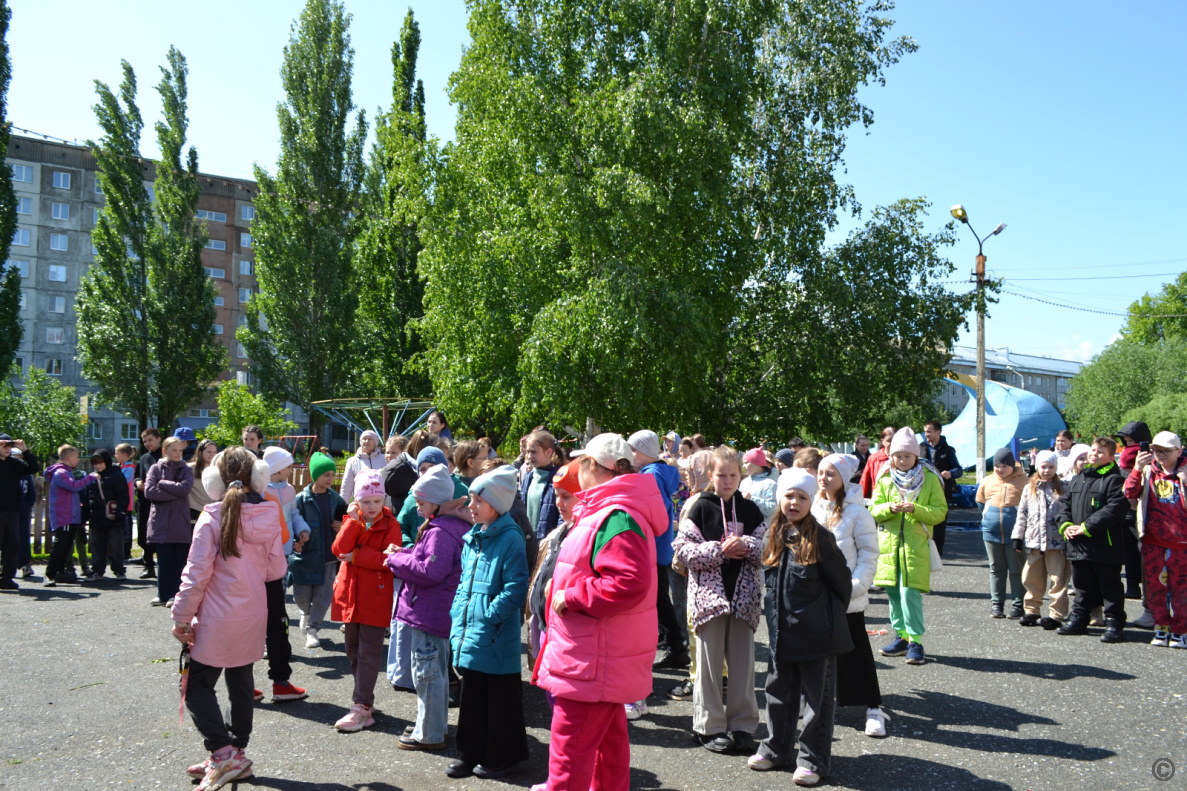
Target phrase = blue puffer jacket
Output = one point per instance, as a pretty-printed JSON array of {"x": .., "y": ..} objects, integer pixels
[
  {"x": 308, "y": 567},
  {"x": 485, "y": 613},
  {"x": 549, "y": 515},
  {"x": 667, "y": 478}
]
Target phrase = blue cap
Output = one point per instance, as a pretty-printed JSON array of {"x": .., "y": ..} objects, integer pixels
[
  {"x": 186, "y": 433},
  {"x": 432, "y": 454}
]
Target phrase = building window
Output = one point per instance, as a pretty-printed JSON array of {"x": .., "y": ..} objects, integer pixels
[
  {"x": 95, "y": 216},
  {"x": 24, "y": 205},
  {"x": 215, "y": 272},
  {"x": 54, "y": 335},
  {"x": 53, "y": 367},
  {"x": 202, "y": 413},
  {"x": 218, "y": 329},
  {"x": 94, "y": 430},
  {"x": 57, "y": 304},
  {"x": 98, "y": 187},
  {"x": 59, "y": 241},
  {"x": 20, "y": 365},
  {"x": 245, "y": 267},
  {"x": 128, "y": 431},
  {"x": 61, "y": 180},
  {"x": 21, "y": 266},
  {"x": 216, "y": 244},
  {"x": 218, "y": 302},
  {"x": 240, "y": 351},
  {"x": 60, "y": 211},
  {"x": 245, "y": 240},
  {"x": 244, "y": 294},
  {"x": 57, "y": 273},
  {"x": 22, "y": 173},
  {"x": 24, "y": 300},
  {"x": 243, "y": 378},
  {"x": 94, "y": 249},
  {"x": 247, "y": 213},
  {"x": 243, "y": 321},
  {"x": 21, "y": 237},
  {"x": 213, "y": 216}
]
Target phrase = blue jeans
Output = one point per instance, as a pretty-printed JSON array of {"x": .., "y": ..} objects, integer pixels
[{"x": 430, "y": 673}]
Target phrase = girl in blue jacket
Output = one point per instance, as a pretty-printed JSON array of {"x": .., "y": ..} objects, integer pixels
[{"x": 491, "y": 733}]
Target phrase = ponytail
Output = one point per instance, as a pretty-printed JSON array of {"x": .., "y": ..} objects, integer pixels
[{"x": 235, "y": 465}]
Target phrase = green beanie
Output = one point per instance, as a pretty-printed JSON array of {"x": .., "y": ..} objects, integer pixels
[{"x": 320, "y": 464}]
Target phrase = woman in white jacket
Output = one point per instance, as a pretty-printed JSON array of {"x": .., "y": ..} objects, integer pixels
[
  {"x": 369, "y": 456},
  {"x": 839, "y": 507}
]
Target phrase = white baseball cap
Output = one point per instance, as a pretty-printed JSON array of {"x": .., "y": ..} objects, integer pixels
[
  {"x": 1166, "y": 439},
  {"x": 607, "y": 449}
]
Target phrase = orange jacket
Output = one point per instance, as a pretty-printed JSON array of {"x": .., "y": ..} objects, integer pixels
[{"x": 363, "y": 591}]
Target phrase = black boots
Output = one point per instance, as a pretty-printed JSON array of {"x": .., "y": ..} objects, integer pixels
[{"x": 1113, "y": 632}]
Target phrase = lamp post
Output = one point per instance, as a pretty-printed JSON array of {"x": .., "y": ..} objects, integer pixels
[{"x": 959, "y": 213}]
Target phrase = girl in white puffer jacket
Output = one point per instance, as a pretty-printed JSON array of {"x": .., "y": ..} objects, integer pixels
[{"x": 840, "y": 508}]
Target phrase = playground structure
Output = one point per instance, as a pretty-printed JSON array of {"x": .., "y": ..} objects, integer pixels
[
  {"x": 1014, "y": 418},
  {"x": 385, "y": 416}
]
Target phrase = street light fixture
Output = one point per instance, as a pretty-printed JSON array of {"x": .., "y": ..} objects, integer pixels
[{"x": 958, "y": 211}]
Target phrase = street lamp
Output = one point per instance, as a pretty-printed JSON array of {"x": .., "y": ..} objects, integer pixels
[{"x": 959, "y": 213}]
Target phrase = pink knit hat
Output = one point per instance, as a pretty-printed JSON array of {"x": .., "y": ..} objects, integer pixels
[
  {"x": 368, "y": 484},
  {"x": 756, "y": 456},
  {"x": 904, "y": 441}
]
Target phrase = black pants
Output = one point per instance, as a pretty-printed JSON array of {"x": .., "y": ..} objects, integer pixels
[
  {"x": 1133, "y": 553},
  {"x": 10, "y": 543},
  {"x": 61, "y": 557},
  {"x": 171, "y": 560},
  {"x": 202, "y": 701},
  {"x": 107, "y": 544},
  {"x": 938, "y": 532},
  {"x": 1098, "y": 584},
  {"x": 490, "y": 724},
  {"x": 817, "y": 681},
  {"x": 143, "y": 506},
  {"x": 24, "y": 553},
  {"x": 280, "y": 650},
  {"x": 857, "y": 676},
  {"x": 671, "y": 631},
  {"x": 129, "y": 535}
]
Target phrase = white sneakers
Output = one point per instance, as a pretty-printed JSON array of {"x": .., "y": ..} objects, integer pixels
[
  {"x": 876, "y": 723},
  {"x": 636, "y": 710},
  {"x": 1161, "y": 638},
  {"x": 311, "y": 638}
]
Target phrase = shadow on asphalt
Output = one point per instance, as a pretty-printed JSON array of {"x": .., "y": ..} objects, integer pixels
[
  {"x": 874, "y": 771},
  {"x": 297, "y": 785},
  {"x": 51, "y": 594},
  {"x": 937, "y": 717},
  {"x": 1046, "y": 670}
]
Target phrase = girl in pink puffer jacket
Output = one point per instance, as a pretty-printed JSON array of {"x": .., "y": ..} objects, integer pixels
[{"x": 221, "y": 611}]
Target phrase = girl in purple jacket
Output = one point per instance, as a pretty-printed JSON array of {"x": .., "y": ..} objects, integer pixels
[{"x": 430, "y": 569}]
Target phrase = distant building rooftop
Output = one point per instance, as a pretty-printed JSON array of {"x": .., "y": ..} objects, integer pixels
[{"x": 1023, "y": 363}]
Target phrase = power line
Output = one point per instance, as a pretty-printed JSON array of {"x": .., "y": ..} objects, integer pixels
[
  {"x": 1099, "y": 266},
  {"x": 1100, "y": 277},
  {"x": 1101, "y": 312}
]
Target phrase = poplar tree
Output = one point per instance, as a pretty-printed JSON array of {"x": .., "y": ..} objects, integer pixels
[
  {"x": 12, "y": 326},
  {"x": 300, "y": 329}
]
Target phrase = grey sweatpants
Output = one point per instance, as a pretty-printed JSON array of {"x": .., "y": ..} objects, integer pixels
[
  {"x": 817, "y": 681},
  {"x": 313, "y": 600},
  {"x": 721, "y": 640}
]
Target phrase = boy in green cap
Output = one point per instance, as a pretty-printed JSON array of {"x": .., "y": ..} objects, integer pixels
[{"x": 312, "y": 566}]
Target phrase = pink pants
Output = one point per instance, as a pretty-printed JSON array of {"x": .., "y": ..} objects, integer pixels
[
  {"x": 1166, "y": 586},
  {"x": 590, "y": 748}
]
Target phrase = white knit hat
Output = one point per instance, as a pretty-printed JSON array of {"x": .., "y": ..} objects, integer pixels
[
  {"x": 1046, "y": 457},
  {"x": 796, "y": 478},
  {"x": 278, "y": 458},
  {"x": 904, "y": 441},
  {"x": 843, "y": 463}
]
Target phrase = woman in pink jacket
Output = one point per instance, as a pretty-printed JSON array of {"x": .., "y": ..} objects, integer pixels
[
  {"x": 221, "y": 610},
  {"x": 602, "y": 623}
]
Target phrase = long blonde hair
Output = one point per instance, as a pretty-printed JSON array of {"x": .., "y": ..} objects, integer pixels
[
  {"x": 235, "y": 466},
  {"x": 1035, "y": 480}
]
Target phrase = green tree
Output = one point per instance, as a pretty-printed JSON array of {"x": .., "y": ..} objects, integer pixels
[
  {"x": 42, "y": 412},
  {"x": 186, "y": 355},
  {"x": 113, "y": 299},
  {"x": 300, "y": 327},
  {"x": 12, "y": 326},
  {"x": 1163, "y": 412},
  {"x": 1159, "y": 317},
  {"x": 1124, "y": 377},
  {"x": 623, "y": 175},
  {"x": 394, "y": 203},
  {"x": 239, "y": 407}
]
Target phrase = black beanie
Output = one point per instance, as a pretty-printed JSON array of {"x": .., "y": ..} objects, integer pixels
[{"x": 1004, "y": 456}]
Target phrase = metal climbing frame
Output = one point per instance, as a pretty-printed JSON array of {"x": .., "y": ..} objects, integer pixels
[{"x": 385, "y": 416}]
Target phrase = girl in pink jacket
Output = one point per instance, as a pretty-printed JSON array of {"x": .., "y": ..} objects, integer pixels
[
  {"x": 221, "y": 611},
  {"x": 602, "y": 623}
]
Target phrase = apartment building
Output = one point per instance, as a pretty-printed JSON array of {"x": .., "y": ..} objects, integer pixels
[
  {"x": 58, "y": 204},
  {"x": 1044, "y": 376}
]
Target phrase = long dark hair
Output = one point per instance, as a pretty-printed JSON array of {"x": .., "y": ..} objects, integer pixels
[
  {"x": 803, "y": 539},
  {"x": 199, "y": 462}
]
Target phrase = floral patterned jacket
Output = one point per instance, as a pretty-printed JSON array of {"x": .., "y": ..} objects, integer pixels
[{"x": 706, "y": 591}]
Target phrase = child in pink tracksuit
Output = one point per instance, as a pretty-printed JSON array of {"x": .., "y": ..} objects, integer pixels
[
  {"x": 221, "y": 610},
  {"x": 602, "y": 622}
]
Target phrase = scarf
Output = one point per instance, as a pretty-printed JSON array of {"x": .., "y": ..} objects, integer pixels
[{"x": 909, "y": 483}]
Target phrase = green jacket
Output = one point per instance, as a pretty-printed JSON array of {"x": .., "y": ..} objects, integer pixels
[{"x": 902, "y": 538}]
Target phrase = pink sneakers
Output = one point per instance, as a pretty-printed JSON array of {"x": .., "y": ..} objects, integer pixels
[
  {"x": 356, "y": 719},
  {"x": 219, "y": 773}
]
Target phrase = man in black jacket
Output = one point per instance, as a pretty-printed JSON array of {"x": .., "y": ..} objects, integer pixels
[
  {"x": 151, "y": 439},
  {"x": 941, "y": 455},
  {"x": 12, "y": 470},
  {"x": 1091, "y": 517}
]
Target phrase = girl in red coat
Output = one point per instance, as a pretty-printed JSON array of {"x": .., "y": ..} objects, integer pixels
[{"x": 363, "y": 593}]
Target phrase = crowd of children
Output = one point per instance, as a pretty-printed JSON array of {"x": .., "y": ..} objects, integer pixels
[{"x": 613, "y": 553}]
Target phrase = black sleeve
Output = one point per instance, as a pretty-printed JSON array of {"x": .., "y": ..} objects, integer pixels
[
  {"x": 340, "y": 509},
  {"x": 84, "y": 500},
  {"x": 1114, "y": 508},
  {"x": 121, "y": 494},
  {"x": 29, "y": 459},
  {"x": 833, "y": 570}
]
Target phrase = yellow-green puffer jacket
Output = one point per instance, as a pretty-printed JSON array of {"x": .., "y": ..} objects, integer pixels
[{"x": 902, "y": 537}]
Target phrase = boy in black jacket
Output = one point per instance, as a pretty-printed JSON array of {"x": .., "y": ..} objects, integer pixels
[
  {"x": 12, "y": 470},
  {"x": 103, "y": 506},
  {"x": 1091, "y": 517}
]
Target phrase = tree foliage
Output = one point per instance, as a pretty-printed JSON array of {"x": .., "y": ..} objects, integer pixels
[
  {"x": 1159, "y": 317},
  {"x": 300, "y": 328},
  {"x": 1125, "y": 379},
  {"x": 632, "y": 187},
  {"x": 238, "y": 407},
  {"x": 12, "y": 326},
  {"x": 394, "y": 202},
  {"x": 42, "y": 412}
]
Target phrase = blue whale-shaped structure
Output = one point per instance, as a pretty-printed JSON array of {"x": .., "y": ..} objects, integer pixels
[{"x": 1014, "y": 418}]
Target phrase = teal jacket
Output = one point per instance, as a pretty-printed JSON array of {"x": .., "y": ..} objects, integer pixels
[
  {"x": 308, "y": 567},
  {"x": 486, "y": 609}
]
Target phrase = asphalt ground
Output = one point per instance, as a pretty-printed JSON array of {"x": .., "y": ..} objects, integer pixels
[{"x": 89, "y": 700}]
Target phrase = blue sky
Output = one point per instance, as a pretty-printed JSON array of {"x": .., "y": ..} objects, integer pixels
[{"x": 1063, "y": 120}]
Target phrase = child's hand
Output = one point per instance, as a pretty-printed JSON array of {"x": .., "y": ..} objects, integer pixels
[
  {"x": 392, "y": 549},
  {"x": 352, "y": 510},
  {"x": 1143, "y": 460},
  {"x": 184, "y": 633},
  {"x": 558, "y": 602},
  {"x": 336, "y": 526},
  {"x": 908, "y": 507},
  {"x": 349, "y": 556},
  {"x": 735, "y": 548}
]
